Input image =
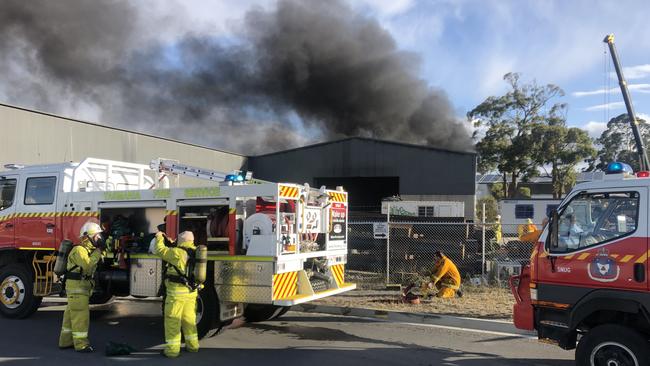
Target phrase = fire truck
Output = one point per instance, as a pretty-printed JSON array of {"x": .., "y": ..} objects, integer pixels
[
  {"x": 586, "y": 287},
  {"x": 270, "y": 245}
]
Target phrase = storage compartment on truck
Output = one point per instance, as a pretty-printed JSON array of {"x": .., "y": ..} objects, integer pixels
[
  {"x": 146, "y": 276},
  {"x": 131, "y": 229},
  {"x": 209, "y": 225}
]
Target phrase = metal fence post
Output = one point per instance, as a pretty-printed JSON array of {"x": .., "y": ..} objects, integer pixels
[
  {"x": 388, "y": 246},
  {"x": 483, "y": 245}
]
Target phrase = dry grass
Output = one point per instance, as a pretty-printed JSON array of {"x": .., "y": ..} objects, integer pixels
[{"x": 479, "y": 302}]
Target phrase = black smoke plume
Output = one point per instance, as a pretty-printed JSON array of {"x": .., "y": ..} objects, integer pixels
[{"x": 302, "y": 72}]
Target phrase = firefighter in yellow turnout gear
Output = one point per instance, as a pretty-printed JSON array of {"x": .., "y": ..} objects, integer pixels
[
  {"x": 445, "y": 277},
  {"x": 81, "y": 266},
  {"x": 180, "y": 300}
]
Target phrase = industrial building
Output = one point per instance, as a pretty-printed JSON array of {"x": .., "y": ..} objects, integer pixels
[
  {"x": 373, "y": 169},
  {"x": 369, "y": 169},
  {"x": 38, "y": 138}
]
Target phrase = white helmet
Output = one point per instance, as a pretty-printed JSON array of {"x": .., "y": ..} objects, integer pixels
[
  {"x": 90, "y": 228},
  {"x": 185, "y": 236}
]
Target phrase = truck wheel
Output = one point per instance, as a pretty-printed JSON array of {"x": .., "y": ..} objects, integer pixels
[
  {"x": 98, "y": 298},
  {"x": 259, "y": 312},
  {"x": 612, "y": 344},
  {"x": 207, "y": 312},
  {"x": 17, "y": 300},
  {"x": 283, "y": 311}
]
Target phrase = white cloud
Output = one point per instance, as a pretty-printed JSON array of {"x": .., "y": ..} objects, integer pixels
[
  {"x": 643, "y": 116},
  {"x": 600, "y": 107},
  {"x": 637, "y": 71},
  {"x": 386, "y": 8},
  {"x": 594, "y": 128},
  {"x": 639, "y": 88}
]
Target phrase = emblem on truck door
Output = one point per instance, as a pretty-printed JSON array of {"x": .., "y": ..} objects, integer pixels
[{"x": 603, "y": 268}]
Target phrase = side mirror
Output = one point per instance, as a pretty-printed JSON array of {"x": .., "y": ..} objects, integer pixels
[{"x": 551, "y": 238}]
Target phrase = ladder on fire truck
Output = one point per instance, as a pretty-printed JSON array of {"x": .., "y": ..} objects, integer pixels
[{"x": 167, "y": 167}]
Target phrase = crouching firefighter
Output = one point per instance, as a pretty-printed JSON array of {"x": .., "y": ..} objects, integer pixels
[
  {"x": 184, "y": 276},
  {"x": 79, "y": 271},
  {"x": 445, "y": 277}
]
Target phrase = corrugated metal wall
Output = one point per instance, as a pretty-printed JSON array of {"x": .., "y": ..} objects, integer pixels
[{"x": 35, "y": 138}]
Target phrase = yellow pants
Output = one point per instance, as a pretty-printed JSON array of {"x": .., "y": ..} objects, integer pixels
[
  {"x": 443, "y": 291},
  {"x": 180, "y": 313},
  {"x": 76, "y": 317},
  {"x": 446, "y": 292},
  {"x": 446, "y": 289}
]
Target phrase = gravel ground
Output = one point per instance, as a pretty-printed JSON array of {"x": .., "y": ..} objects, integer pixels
[{"x": 478, "y": 302}]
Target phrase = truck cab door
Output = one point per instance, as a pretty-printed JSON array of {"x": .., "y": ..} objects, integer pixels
[
  {"x": 8, "y": 184},
  {"x": 36, "y": 226},
  {"x": 602, "y": 243}
]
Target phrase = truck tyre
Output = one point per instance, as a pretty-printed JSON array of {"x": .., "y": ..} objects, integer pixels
[
  {"x": 207, "y": 312},
  {"x": 612, "y": 344},
  {"x": 283, "y": 311},
  {"x": 17, "y": 300},
  {"x": 98, "y": 298},
  {"x": 260, "y": 312}
]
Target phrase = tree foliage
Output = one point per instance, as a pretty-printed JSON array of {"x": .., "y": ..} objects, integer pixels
[
  {"x": 491, "y": 209},
  {"x": 508, "y": 121},
  {"x": 561, "y": 148},
  {"x": 617, "y": 143}
]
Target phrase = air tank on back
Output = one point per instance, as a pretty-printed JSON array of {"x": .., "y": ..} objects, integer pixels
[
  {"x": 61, "y": 264},
  {"x": 201, "y": 264}
]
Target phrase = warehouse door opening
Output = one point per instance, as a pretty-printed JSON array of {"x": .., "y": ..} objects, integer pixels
[{"x": 365, "y": 193}]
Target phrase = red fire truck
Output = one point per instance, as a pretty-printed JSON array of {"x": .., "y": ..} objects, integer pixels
[
  {"x": 270, "y": 245},
  {"x": 587, "y": 283}
]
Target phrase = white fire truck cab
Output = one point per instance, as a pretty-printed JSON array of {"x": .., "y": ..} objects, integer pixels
[{"x": 270, "y": 245}]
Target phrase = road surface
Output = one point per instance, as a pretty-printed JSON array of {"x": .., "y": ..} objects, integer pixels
[{"x": 295, "y": 339}]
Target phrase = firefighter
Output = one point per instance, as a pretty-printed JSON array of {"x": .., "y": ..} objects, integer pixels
[
  {"x": 527, "y": 228},
  {"x": 180, "y": 298},
  {"x": 498, "y": 230},
  {"x": 81, "y": 266},
  {"x": 445, "y": 277}
]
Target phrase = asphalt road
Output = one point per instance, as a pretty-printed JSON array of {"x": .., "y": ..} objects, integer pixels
[{"x": 295, "y": 339}]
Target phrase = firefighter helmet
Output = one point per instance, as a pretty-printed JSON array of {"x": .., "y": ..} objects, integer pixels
[{"x": 90, "y": 228}]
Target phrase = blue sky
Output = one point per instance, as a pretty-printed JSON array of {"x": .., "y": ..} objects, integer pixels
[{"x": 466, "y": 46}]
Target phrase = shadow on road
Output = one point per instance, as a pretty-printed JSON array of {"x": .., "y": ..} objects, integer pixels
[
  {"x": 287, "y": 341},
  {"x": 318, "y": 318}
]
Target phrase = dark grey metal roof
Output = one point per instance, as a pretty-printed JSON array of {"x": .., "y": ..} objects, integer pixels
[{"x": 370, "y": 140}]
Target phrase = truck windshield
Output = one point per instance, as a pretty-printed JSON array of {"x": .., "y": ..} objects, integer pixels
[{"x": 592, "y": 219}]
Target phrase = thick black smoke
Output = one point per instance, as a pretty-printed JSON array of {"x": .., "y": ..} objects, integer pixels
[{"x": 305, "y": 71}]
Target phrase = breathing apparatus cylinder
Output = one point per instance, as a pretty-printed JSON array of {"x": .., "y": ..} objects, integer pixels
[
  {"x": 61, "y": 264},
  {"x": 201, "y": 264}
]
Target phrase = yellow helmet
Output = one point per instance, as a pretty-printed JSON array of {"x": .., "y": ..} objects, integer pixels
[{"x": 90, "y": 228}]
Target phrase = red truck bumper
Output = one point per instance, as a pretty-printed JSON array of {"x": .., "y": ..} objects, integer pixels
[{"x": 522, "y": 310}]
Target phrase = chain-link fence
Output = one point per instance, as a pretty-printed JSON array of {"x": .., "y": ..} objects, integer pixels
[{"x": 400, "y": 252}]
